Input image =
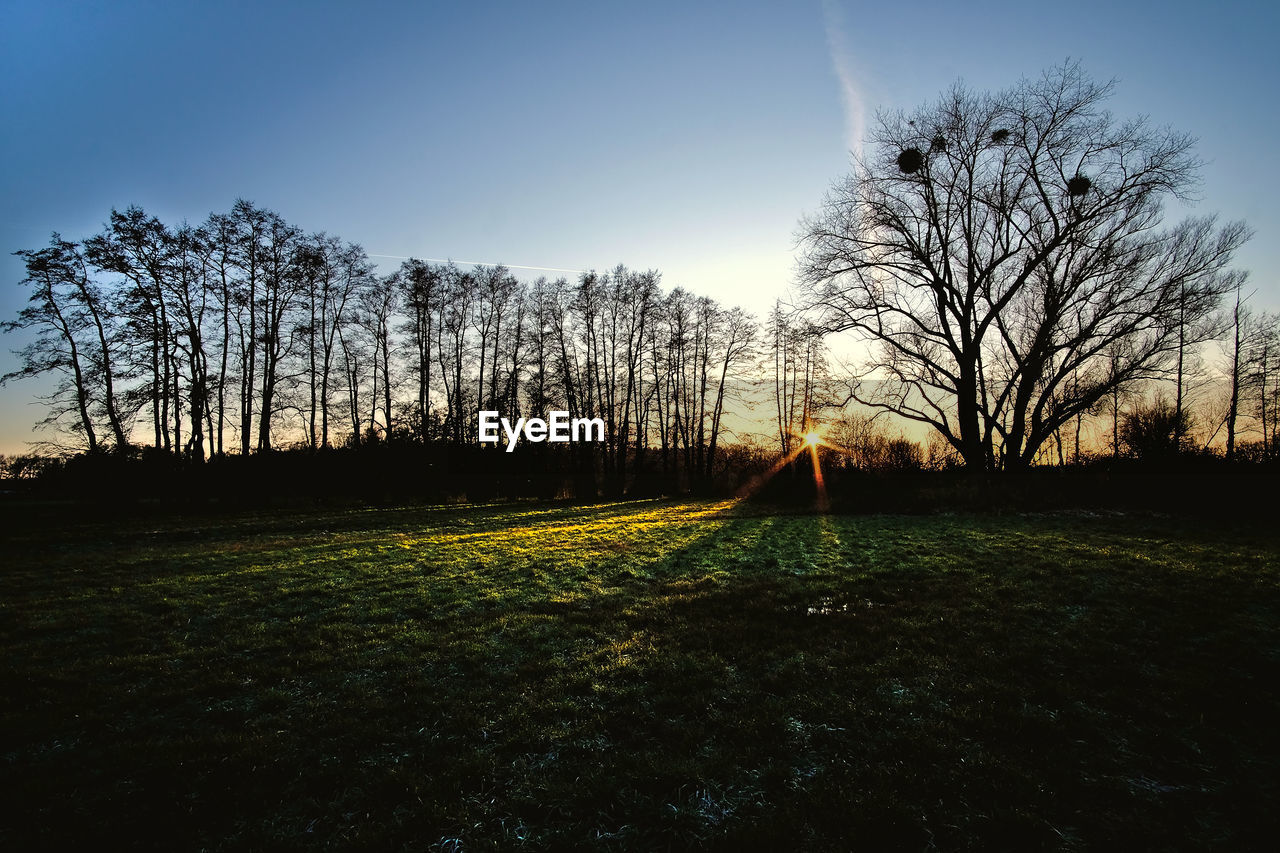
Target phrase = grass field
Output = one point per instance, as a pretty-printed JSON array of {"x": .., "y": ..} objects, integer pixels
[{"x": 638, "y": 676}]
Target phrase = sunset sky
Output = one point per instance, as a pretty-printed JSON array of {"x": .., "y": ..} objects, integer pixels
[{"x": 685, "y": 137}]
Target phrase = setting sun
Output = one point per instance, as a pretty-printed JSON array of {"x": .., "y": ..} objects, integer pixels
[{"x": 812, "y": 439}]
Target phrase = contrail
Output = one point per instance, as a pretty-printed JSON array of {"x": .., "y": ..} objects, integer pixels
[
  {"x": 476, "y": 263},
  {"x": 841, "y": 60}
]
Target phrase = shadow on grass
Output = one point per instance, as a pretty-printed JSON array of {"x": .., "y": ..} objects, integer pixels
[{"x": 679, "y": 676}]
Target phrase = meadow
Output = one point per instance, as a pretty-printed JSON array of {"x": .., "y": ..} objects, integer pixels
[{"x": 644, "y": 675}]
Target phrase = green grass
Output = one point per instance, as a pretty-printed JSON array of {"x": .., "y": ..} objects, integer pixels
[{"x": 638, "y": 676}]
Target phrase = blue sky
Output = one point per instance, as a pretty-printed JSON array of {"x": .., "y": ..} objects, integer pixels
[{"x": 686, "y": 137}]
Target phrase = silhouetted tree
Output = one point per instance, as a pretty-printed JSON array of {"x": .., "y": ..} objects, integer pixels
[
  {"x": 421, "y": 290},
  {"x": 496, "y": 305},
  {"x": 191, "y": 293},
  {"x": 72, "y": 340},
  {"x": 251, "y": 225},
  {"x": 140, "y": 247},
  {"x": 318, "y": 274},
  {"x": 635, "y": 299},
  {"x": 733, "y": 345},
  {"x": 333, "y": 274},
  {"x": 453, "y": 324},
  {"x": 1240, "y": 333},
  {"x": 223, "y": 237},
  {"x": 800, "y": 375},
  {"x": 540, "y": 388},
  {"x": 378, "y": 305},
  {"x": 1262, "y": 378},
  {"x": 1003, "y": 254},
  {"x": 281, "y": 287}
]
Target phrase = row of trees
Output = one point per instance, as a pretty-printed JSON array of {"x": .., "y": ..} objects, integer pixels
[
  {"x": 1003, "y": 257},
  {"x": 245, "y": 332},
  {"x": 1222, "y": 398}
]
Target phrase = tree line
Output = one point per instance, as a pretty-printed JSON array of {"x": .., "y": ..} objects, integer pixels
[
  {"x": 1002, "y": 257},
  {"x": 244, "y": 334}
]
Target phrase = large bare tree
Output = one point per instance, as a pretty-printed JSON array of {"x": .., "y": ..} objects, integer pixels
[{"x": 1006, "y": 258}]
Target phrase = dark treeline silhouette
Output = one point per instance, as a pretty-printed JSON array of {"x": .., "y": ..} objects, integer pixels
[{"x": 245, "y": 335}]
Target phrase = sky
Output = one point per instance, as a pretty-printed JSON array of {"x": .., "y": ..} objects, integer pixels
[{"x": 685, "y": 137}]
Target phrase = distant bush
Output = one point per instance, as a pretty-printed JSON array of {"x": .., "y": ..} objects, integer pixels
[
  {"x": 26, "y": 467},
  {"x": 1155, "y": 431}
]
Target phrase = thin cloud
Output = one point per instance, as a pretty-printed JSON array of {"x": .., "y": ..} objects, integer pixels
[
  {"x": 855, "y": 123},
  {"x": 477, "y": 263}
]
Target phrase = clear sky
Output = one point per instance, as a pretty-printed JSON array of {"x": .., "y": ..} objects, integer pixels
[{"x": 687, "y": 137}]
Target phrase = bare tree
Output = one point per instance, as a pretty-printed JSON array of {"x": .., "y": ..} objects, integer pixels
[
  {"x": 332, "y": 275},
  {"x": 1262, "y": 378},
  {"x": 70, "y": 319},
  {"x": 190, "y": 294},
  {"x": 540, "y": 389},
  {"x": 421, "y": 294},
  {"x": 734, "y": 344},
  {"x": 378, "y": 305},
  {"x": 355, "y": 358},
  {"x": 995, "y": 249},
  {"x": 140, "y": 248},
  {"x": 1241, "y": 323},
  {"x": 635, "y": 297},
  {"x": 453, "y": 324},
  {"x": 281, "y": 286},
  {"x": 222, "y": 234},
  {"x": 800, "y": 375},
  {"x": 251, "y": 224}
]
